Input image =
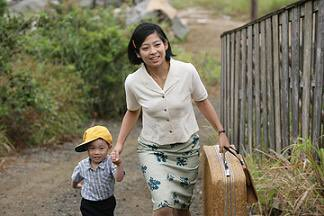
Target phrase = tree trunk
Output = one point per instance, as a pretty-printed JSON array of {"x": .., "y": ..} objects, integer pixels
[
  {"x": 94, "y": 3},
  {"x": 254, "y": 9}
]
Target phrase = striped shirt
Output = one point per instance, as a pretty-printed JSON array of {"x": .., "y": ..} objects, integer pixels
[{"x": 98, "y": 184}]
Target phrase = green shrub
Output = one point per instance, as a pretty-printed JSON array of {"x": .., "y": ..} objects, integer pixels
[
  {"x": 41, "y": 101},
  {"x": 95, "y": 43}
]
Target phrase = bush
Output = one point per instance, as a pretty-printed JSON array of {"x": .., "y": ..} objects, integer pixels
[
  {"x": 41, "y": 101},
  {"x": 95, "y": 43},
  {"x": 55, "y": 70}
]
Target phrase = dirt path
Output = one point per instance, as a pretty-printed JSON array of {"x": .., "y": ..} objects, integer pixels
[{"x": 37, "y": 182}]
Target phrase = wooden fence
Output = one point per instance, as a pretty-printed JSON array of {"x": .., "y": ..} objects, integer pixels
[{"x": 272, "y": 78}]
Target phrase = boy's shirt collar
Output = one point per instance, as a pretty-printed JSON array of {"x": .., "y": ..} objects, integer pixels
[{"x": 101, "y": 164}]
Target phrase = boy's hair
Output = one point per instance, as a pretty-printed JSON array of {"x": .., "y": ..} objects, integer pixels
[
  {"x": 92, "y": 134},
  {"x": 138, "y": 37}
]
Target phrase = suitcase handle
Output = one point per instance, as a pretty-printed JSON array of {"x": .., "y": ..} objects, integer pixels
[{"x": 234, "y": 152}]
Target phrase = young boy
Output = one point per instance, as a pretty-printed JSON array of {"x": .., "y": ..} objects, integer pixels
[{"x": 96, "y": 174}]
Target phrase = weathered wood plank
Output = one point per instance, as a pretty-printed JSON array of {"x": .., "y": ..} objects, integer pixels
[
  {"x": 319, "y": 73},
  {"x": 232, "y": 85},
  {"x": 276, "y": 82},
  {"x": 256, "y": 58},
  {"x": 263, "y": 78},
  {"x": 284, "y": 80},
  {"x": 243, "y": 91},
  {"x": 237, "y": 86},
  {"x": 295, "y": 67},
  {"x": 223, "y": 50},
  {"x": 307, "y": 65},
  {"x": 227, "y": 80},
  {"x": 269, "y": 75},
  {"x": 249, "y": 90}
]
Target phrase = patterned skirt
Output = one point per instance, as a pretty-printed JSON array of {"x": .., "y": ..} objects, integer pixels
[{"x": 170, "y": 171}]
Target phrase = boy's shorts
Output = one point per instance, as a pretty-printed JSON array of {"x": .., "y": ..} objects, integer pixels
[{"x": 98, "y": 208}]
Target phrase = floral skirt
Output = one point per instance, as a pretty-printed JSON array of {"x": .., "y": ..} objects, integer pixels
[{"x": 170, "y": 171}]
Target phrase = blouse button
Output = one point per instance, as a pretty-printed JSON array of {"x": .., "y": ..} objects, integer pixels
[
  {"x": 165, "y": 110},
  {"x": 162, "y": 96},
  {"x": 170, "y": 131}
]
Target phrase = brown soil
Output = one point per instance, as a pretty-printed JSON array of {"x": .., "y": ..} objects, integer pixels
[{"x": 37, "y": 181}]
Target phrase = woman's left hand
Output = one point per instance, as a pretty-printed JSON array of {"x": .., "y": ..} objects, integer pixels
[{"x": 223, "y": 142}]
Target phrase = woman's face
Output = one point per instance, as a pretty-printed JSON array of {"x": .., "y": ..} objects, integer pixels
[{"x": 153, "y": 50}]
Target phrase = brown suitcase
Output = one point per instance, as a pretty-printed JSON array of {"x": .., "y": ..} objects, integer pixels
[{"x": 225, "y": 190}]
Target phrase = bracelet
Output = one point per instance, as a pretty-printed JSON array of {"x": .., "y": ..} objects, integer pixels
[{"x": 221, "y": 131}]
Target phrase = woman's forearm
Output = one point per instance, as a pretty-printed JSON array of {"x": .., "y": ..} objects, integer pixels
[
  {"x": 206, "y": 108},
  {"x": 129, "y": 121}
]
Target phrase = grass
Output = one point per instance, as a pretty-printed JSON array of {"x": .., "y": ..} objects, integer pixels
[
  {"x": 236, "y": 8},
  {"x": 290, "y": 185},
  {"x": 5, "y": 144}
]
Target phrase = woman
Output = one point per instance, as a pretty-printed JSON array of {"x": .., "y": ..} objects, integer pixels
[{"x": 168, "y": 147}]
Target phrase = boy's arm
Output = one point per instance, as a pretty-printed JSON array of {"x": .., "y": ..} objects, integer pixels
[
  {"x": 77, "y": 184},
  {"x": 119, "y": 172},
  {"x": 77, "y": 180}
]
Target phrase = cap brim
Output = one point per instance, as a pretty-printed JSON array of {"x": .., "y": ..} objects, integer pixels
[{"x": 83, "y": 146}]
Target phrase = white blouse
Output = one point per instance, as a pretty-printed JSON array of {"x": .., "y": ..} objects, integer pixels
[{"x": 168, "y": 115}]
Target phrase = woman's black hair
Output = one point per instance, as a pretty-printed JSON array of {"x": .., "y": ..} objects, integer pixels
[{"x": 138, "y": 37}]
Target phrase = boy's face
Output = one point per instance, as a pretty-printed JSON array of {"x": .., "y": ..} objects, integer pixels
[{"x": 98, "y": 150}]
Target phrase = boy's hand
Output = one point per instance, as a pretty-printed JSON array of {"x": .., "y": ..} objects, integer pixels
[
  {"x": 77, "y": 185},
  {"x": 115, "y": 158}
]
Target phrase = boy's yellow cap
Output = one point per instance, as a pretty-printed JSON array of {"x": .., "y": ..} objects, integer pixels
[{"x": 92, "y": 134}]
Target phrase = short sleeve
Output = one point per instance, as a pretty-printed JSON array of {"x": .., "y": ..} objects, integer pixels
[
  {"x": 76, "y": 175},
  {"x": 199, "y": 92},
  {"x": 131, "y": 100}
]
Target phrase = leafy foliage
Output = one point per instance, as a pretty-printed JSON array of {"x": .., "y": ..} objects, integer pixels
[
  {"x": 40, "y": 100},
  {"x": 95, "y": 44},
  {"x": 56, "y": 70}
]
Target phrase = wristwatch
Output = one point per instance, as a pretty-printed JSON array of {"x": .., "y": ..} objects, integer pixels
[{"x": 221, "y": 131}]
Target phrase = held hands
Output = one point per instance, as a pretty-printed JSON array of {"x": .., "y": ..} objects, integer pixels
[
  {"x": 115, "y": 155},
  {"x": 223, "y": 142}
]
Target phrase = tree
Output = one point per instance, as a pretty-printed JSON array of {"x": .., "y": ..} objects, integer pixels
[
  {"x": 94, "y": 3},
  {"x": 254, "y": 9}
]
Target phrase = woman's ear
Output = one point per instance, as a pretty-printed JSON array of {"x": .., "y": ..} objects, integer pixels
[
  {"x": 138, "y": 55},
  {"x": 166, "y": 44}
]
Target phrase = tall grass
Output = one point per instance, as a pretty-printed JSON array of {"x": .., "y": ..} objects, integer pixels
[
  {"x": 5, "y": 145},
  {"x": 290, "y": 185}
]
